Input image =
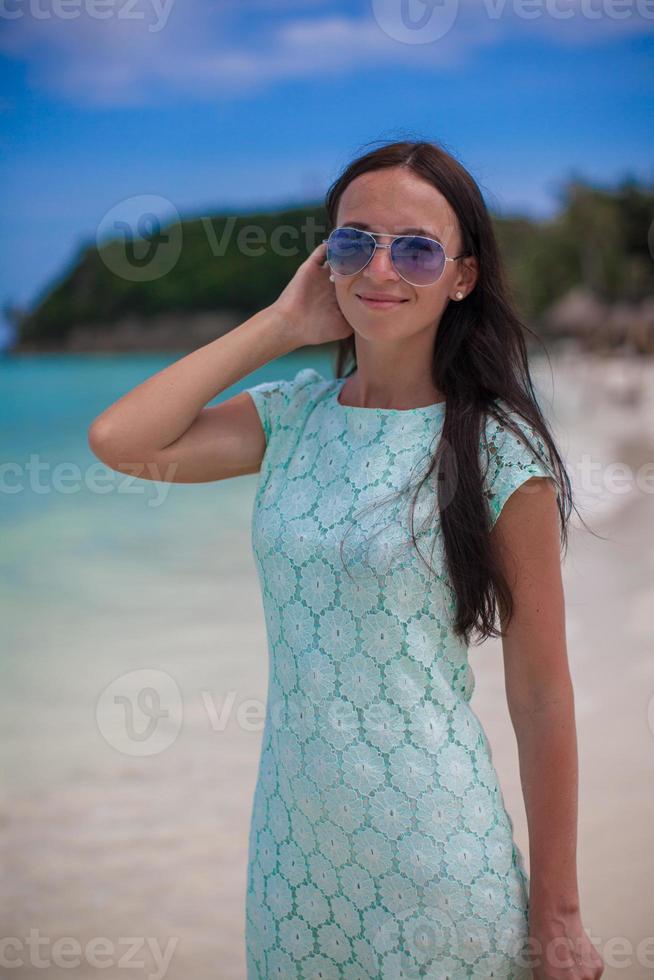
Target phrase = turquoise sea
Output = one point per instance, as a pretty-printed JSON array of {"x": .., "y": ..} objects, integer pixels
[
  {"x": 91, "y": 558},
  {"x": 101, "y": 571}
]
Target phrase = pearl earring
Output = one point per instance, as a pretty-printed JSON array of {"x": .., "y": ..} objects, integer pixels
[
  {"x": 459, "y": 295},
  {"x": 331, "y": 279}
]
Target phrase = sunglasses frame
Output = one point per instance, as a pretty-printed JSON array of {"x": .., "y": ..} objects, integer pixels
[{"x": 372, "y": 234}]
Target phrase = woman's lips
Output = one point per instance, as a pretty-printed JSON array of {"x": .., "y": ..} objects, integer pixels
[{"x": 377, "y": 304}]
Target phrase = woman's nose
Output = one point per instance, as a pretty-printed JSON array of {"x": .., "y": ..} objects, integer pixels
[{"x": 380, "y": 265}]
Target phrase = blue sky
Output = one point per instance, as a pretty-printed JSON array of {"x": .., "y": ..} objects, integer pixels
[{"x": 260, "y": 102}]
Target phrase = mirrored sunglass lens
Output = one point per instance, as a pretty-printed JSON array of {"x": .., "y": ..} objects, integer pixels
[
  {"x": 349, "y": 250},
  {"x": 418, "y": 260}
]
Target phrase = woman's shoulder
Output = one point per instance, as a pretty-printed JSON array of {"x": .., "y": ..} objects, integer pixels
[
  {"x": 302, "y": 386},
  {"x": 504, "y": 427},
  {"x": 513, "y": 451},
  {"x": 283, "y": 389},
  {"x": 307, "y": 377},
  {"x": 279, "y": 400}
]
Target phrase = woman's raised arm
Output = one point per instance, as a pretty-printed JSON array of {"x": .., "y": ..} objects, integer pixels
[{"x": 161, "y": 429}]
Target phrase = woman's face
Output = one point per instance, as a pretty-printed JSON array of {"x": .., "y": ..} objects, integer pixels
[{"x": 391, "y": 201}]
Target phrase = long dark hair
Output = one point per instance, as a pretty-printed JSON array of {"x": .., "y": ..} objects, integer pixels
[{"x": 480, "y": 356}]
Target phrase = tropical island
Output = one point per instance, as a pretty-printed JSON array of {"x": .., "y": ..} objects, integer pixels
[{"x": 584, "y": 276}]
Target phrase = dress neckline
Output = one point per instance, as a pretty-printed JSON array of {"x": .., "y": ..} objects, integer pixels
[{"x": 435, "y": 408}]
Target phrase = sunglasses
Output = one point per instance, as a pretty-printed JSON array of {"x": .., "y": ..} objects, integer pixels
[{"x": 418, "y": 260}]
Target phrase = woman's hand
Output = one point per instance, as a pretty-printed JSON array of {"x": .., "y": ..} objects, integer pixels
[
  {"x": 308, "y": 303},
  {"x": 559, "y": 949}
]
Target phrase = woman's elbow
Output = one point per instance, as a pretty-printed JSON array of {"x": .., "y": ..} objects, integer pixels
[{"x": 106, "y": 444}]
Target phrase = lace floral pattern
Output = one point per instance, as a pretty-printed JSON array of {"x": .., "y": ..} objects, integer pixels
[{"x": 380, "y": 845}]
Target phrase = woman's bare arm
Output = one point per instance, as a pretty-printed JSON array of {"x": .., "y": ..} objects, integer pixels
[
  {"x": 541, "y": 705},
  {"x": 160, "y": 430}
]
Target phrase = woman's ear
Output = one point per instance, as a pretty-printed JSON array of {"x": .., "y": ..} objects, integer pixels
[{"x": 469, "y": 275}]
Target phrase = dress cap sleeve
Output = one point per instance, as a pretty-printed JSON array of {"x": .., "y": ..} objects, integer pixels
[
  {"x": 273, "y": 399},
  {"x": 508, "y": 461}
]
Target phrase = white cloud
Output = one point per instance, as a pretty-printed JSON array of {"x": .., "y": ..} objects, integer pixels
[{"x": 152, "y": 50}]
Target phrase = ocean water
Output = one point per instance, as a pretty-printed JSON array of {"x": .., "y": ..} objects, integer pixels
[{"x": 99, "y": 571}]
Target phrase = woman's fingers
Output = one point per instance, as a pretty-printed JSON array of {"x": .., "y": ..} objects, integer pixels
[{"x": 317, "y": 254}]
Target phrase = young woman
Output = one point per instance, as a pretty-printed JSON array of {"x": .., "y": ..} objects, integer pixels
[{"x": 400, "y": 506}]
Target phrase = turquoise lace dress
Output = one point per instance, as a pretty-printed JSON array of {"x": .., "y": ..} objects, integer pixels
[{"x": 379, "y": 845}]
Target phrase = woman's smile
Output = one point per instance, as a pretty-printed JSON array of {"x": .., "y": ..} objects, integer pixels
[{"x": 380, "y": 304}]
